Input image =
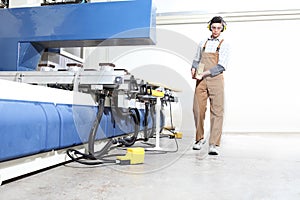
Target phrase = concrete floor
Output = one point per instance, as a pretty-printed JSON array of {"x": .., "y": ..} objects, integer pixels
[{"x": 250, "y": 166}]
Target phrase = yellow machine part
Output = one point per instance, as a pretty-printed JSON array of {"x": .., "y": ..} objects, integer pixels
[{"x": 134, "y": 155}]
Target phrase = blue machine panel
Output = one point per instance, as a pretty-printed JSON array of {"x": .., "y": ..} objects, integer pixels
[
  {"x": 27, "y": 32},
  {"x": 26, "y": 128},
  {"x": 68, "y": 134},
  {"x": 32, "y": 127},
  {"x": 110, "y": 125},
  {"x": 76, "y": 124}
]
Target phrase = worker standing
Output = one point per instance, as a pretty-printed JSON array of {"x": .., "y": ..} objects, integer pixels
[{"x": 208, "y": 66}]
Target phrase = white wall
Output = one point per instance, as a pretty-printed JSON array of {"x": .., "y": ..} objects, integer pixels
[
  {"x": 223, "y": 6},
  {"x": 261, "y": 81}
]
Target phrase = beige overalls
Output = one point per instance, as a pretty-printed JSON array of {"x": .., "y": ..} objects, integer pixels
[{"x": 212, "y": 88}]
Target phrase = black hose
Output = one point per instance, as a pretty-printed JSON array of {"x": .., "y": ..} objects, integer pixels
[
  {"x": 94, "y": 158},
  {"x": 145, "y": 122},
  {"x": 130, "y": 141},
  {"x": 94, "y": 129},
  {"x": 152, "y": 113},
  {"x": 132, "y": 112},
  {"x": 162, "y": 117},
  {"x": 88, "y": 160},
  {"x": 114, "y": 105},
  {"x": 104, "y": 150}
]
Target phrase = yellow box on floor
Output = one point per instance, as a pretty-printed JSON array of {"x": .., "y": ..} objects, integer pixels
[{"x": 135, "y": 155}]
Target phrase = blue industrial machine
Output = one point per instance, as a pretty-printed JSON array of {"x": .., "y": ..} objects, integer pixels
[
  {"x": 45, "y": 110},
  {"x": 27, "y": 32}
]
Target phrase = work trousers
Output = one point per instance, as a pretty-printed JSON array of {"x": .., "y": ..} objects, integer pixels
[{"x": 211, "y": 88}]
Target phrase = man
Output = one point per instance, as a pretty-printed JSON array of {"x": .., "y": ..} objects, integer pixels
[{"x": 208, "y": 66}]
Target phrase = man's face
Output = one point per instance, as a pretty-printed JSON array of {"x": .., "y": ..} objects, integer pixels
[{"x": 216, "y": 29}]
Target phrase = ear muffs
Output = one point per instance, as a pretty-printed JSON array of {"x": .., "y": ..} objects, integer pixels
[
  {"x": 208, "y": 26},
  {"x": 224, "y": 27}
]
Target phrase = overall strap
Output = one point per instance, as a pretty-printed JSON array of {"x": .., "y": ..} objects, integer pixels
[
  {"x": 218, "y": 48},
  {"x": 203, "y": 49}
]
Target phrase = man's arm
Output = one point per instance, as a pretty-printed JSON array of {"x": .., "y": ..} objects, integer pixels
[
  {"x": 196, "y": 60},
  {"x": 216, "y": 70}
]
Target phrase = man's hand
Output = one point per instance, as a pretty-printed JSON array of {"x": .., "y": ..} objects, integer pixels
[
  {"x": 206, "y": 73},
  {"x": 193, "y": 72},
  {"x": 200, "y": 76}
]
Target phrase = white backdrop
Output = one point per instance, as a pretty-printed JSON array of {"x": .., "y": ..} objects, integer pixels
[
  {"x": 261, "y": 82},
  {"x": 223, "y": 6}
]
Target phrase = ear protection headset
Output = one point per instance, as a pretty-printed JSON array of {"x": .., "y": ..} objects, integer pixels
[{"x": 217, "y": 19}]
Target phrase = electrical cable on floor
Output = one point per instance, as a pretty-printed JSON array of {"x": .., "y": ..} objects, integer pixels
[
  {"x": 97, "y": 158},
  {"x": 88, "y": 160},
  {"x": 94, "y": 158},
  {"x": 100, "y": 157}
]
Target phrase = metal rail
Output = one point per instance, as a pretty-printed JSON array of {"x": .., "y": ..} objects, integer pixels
[
  {"x": 202, "y": 18},
  {"x": 65, "y": 77}
]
